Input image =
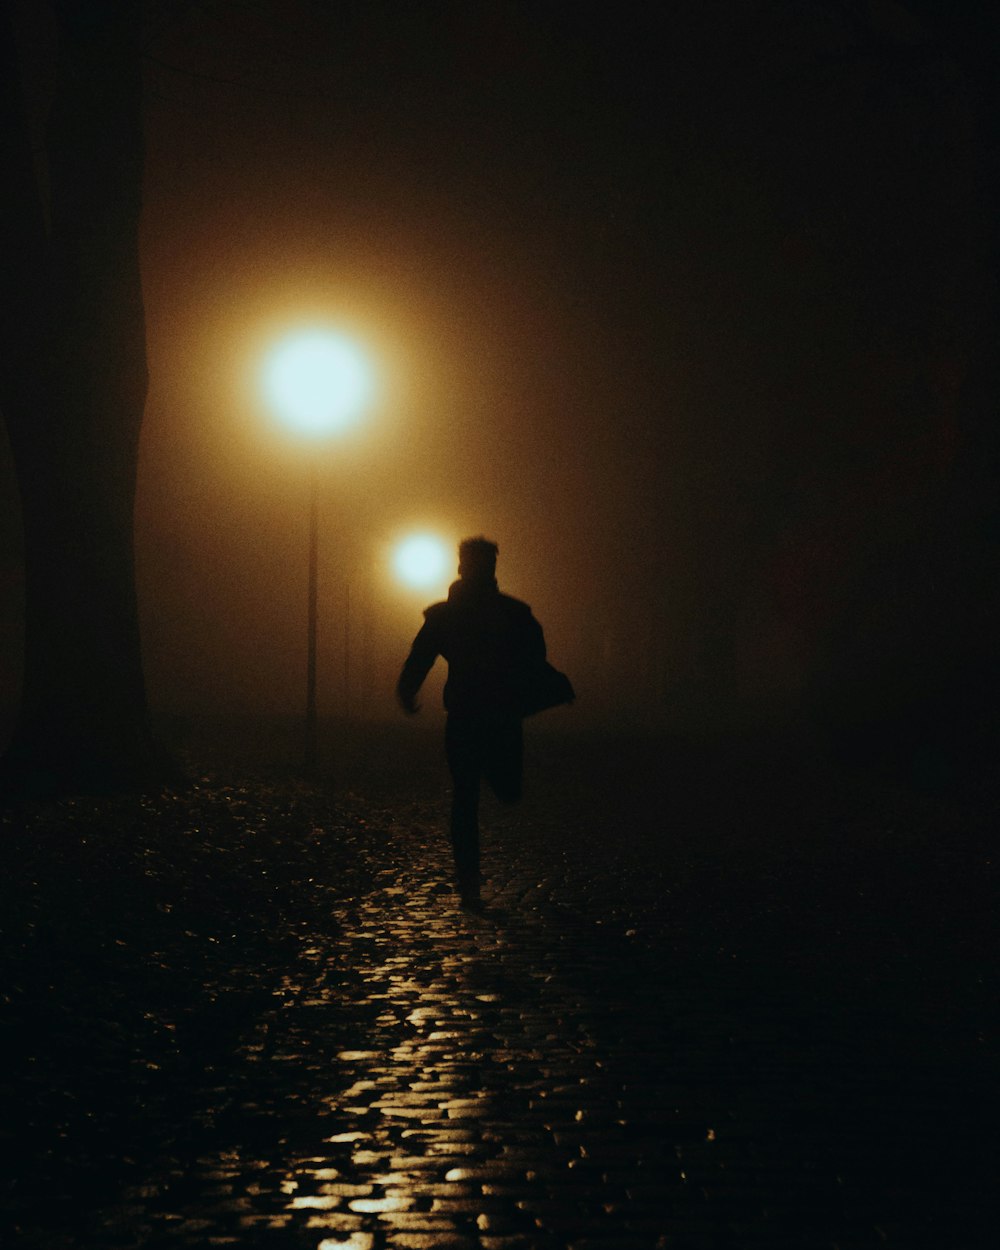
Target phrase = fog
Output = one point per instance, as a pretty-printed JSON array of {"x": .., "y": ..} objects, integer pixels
[{"x": 676, "y": 313}]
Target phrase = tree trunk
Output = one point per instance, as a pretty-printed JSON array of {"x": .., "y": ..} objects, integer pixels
[{"x": 73, "y": 391}]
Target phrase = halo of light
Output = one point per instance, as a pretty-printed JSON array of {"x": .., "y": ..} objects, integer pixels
[
  {"x": 317, "y": 381},
  {"x": 421, "y": 561}
]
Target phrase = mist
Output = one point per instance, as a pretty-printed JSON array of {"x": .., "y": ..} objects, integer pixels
[
  {"x": 678, "y": 312},
  {"x": 689, "y": 310}
]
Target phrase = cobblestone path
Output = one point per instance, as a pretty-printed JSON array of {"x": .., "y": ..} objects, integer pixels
[
  {"x": 538, "y": 1077},
  {"x": 551, "y": 1074}
]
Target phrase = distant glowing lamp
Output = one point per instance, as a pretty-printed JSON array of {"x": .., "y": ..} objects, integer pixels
[
  {"x": 421, "y": 561},
  {"x": 317, "y": 381}
]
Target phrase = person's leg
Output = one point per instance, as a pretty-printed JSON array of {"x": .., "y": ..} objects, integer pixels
[
  {"x": 463, "y": 750},
  {"x": 503, "y": 762}
]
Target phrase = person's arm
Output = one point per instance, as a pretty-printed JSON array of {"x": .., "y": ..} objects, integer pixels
[{"x": 423, "y": 653}]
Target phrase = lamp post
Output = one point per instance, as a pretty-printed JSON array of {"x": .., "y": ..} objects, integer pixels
[
  {"x": 317, "y": 382},
  {"x": 309, "y": 747}
]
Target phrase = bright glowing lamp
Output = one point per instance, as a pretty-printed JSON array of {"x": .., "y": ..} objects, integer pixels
[
  {"x": 317, "y": 381},
  {"x": 421, "y": 561}
]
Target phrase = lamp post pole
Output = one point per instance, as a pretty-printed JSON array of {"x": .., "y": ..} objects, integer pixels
[
  {"x": 310, "y": 752},
  {"x": 347, "y": 651},
  {"x": 317, "y": 381}
]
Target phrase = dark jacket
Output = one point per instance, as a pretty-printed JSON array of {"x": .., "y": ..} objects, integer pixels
[{"x": 492, "y": 644}]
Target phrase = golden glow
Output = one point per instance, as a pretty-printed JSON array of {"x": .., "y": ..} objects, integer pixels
[
  {"x": 421, "y": 561},
  {"x": 317, "y": 381}
]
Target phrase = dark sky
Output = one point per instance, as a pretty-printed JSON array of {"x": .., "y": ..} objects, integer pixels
[{"x": 671, "y": 301}]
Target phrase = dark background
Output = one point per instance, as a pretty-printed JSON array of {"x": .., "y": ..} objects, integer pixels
[{"x": 690, "y": 308}]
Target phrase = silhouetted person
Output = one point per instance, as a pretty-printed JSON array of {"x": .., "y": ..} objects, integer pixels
[{"x": 492, "y": 644}]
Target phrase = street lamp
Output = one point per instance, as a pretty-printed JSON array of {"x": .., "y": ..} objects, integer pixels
[
  {"x": 421, "y": 561},
  {"x": 317, "y": 381}
]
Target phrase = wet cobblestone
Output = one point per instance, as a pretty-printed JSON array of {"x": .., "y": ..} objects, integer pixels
[{"x": 552, "y": 1074}]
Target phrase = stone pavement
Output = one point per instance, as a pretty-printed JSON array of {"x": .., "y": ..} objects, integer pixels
[{"x": 559, "y": 1072}]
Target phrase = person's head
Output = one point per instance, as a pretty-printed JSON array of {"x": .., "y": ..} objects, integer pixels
[{"x": 477, "y": 559}]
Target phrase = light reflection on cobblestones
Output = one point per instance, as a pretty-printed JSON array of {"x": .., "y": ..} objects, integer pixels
[{"x": 534, "y": 1079}]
